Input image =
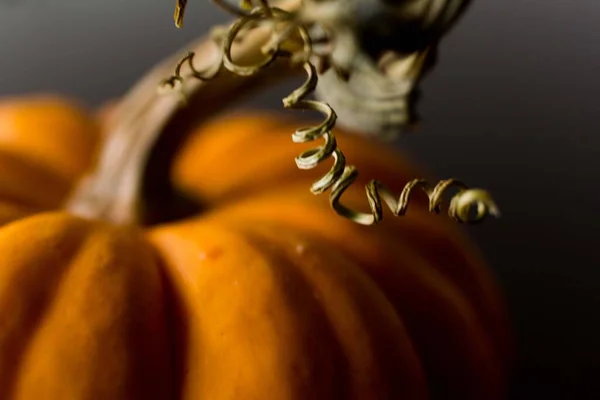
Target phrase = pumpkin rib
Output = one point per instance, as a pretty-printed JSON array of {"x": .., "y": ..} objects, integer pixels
[
  {"x": 175, "y": 319},
  {"x": 108, "y": 307},
  {"x": 457, "y": 259},
  {"x": 243, "y": 281},
  {"x": 184, "y": 240},
  {"x": 45, "y": 315},
  {"x": 418, "y": 228},
  {"x": 403, "y": 375},
  {"x": 453, "y": 257},
  {"x": 337, "y": 376},
  {"x": 27, "y": 318},
  {"x": 415, "y": 289}
]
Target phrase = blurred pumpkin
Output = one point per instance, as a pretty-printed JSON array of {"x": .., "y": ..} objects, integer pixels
[
  {"x": 266, "y": 294},
  {"x": 46, "y": 144}
]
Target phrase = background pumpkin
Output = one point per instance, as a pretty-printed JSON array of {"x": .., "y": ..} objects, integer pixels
[{"x": 46, "y": 144}]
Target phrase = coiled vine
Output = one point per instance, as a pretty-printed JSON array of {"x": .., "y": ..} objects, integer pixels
[{"x": 285, "y": 28}]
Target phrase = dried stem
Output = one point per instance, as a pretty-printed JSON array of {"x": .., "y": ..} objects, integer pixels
[{"x": 113, "y": 190}]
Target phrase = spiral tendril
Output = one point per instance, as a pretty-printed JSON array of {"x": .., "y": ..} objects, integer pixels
[
  {"x": 175, "y": 81},
  {"x": 341, "y": 176}
]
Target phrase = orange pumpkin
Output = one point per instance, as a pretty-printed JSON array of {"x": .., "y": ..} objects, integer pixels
[
  {"x": 46, "y": 144},
  {"x": 421, "y": 262},
  {"x": 266, "y": 294}
]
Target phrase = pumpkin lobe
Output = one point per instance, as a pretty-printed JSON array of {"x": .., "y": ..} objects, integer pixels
[
  {"x": 262, "y": 323},
  {"x": 466, "y": 360},
  {"x": 82, "y": 313}
]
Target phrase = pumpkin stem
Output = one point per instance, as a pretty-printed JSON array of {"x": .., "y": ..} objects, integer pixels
[{"x": 131, "y": 181}]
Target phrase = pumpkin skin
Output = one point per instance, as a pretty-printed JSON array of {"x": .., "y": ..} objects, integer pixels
[
  {"x": 267, "y": 294},
  {"x": 431, "y": 291},
  {"x": 256, "y": 153},
  {"x": 88, "y": 319},
  {"x": 46, "y": 144},
  {"x": 82, "y": 312},
  {"x": 295, "y": 320},
  {"x": 423, "y": 264}
]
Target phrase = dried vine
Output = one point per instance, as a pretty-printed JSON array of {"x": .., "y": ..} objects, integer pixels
[{"x": 290, "y": 31}]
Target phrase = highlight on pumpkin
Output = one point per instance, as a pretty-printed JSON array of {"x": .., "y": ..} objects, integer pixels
[{"x": 293, "y": 28}]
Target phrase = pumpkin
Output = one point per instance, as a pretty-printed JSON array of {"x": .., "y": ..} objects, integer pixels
[
  {"x": 46, "y": 143},
  {"x": 427, "y": 269},
  {"x": 265, "y": 294}
]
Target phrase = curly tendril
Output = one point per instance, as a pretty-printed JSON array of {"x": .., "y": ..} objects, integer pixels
[{"x": 341, "y": 176}]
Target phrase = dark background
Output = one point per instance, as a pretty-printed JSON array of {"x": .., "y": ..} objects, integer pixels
[{"x": 512, "y": 107}]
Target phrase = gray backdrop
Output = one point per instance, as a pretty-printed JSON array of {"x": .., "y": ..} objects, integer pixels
[{"x": 512, "y": 97}]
